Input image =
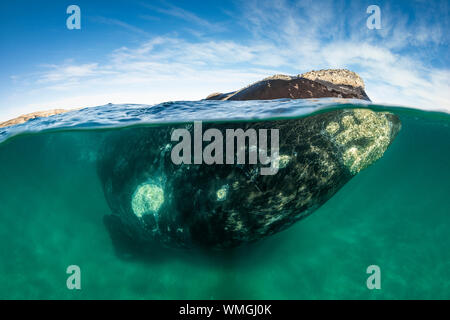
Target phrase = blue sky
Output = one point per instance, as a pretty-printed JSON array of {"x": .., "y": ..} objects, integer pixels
[{"x": 153, "y": 51}]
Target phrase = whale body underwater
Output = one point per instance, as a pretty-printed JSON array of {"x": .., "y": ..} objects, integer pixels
[{"x": 221, "y": 206}]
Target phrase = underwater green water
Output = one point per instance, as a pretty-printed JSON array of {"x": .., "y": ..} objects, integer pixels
[{"x": 394, "y": 214}]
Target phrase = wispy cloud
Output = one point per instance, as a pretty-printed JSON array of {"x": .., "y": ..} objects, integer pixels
[
  {"x": 183, "y": 14},
  {"x": 121, "y": 24},
  {"x": 149, "y": 17}
]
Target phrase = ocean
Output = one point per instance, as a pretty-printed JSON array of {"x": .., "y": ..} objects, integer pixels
[{"x": 394, "y": 214}]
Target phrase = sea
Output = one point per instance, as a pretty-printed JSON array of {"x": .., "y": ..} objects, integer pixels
[{"x": 394, "y": 214}]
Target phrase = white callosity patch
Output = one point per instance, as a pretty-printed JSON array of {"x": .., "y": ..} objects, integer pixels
[
  {"x": 361, "y": 125},
  {"x": 147, "y": 199},
  {"x": 283, "y": 161},
  {"x": 335, "y": 76},
  {"x": 222, "y": 193},
  {"x": 332, "y": 127}
]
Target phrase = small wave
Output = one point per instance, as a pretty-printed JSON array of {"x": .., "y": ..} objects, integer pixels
[{"x": 123, "y": 115}]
